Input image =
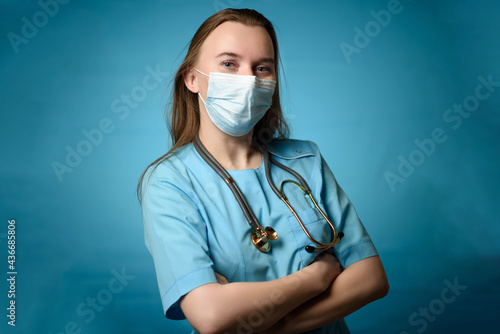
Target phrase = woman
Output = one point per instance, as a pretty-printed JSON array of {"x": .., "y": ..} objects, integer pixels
[{"x": 226, "y": 101}]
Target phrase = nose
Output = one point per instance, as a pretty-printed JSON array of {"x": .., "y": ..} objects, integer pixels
[{"x": 246, "y": 70}]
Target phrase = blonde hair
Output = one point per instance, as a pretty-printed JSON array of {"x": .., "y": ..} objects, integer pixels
[{"x": 185, "y": 113}]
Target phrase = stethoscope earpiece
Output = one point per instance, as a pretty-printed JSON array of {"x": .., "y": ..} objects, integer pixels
[{"x": 310, "y": 249}]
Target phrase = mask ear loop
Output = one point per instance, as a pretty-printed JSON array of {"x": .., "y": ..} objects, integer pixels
[
  {"x": 199, "y": 92},
  {"x": 202, "y": 100},
  {"x": 201, "y": 72}
]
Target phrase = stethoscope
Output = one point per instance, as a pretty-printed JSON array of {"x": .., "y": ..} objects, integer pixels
[{"x": 261, "y": 237}]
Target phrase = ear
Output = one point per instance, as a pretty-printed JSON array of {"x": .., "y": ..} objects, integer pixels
[{"x": 191, "y": 81}]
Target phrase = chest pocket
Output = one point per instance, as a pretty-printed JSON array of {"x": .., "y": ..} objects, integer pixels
[{"x": 317, "y": 227}]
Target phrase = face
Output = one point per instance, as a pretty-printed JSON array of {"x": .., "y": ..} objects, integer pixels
[{"x": 236, "y": 48}]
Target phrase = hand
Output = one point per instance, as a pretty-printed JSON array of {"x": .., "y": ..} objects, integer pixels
[
  {"x": 221, "y": 279},
  {"x": 326, "y": 268}
]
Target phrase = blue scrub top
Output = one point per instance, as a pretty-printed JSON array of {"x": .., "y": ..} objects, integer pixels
[{"x": 194, "y": 226}]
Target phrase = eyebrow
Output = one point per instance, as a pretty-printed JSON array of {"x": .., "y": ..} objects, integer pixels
[{"x": 235, "y": 55}]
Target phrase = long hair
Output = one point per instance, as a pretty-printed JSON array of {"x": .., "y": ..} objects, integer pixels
[{"x": 185, "y": 113}]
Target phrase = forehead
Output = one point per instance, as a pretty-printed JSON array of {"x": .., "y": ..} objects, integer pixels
[{"x": 235, "y": 37}]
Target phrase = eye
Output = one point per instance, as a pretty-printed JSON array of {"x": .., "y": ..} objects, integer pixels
[
  {"x": 228, "y": 64},
  {"x": 263, "y": 69}
]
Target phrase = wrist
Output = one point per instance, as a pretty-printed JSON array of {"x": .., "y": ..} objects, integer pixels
[{"x": 317, "y": 277}]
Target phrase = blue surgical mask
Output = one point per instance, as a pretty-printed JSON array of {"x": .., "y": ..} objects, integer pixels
[{"x": 235, "y": 103}]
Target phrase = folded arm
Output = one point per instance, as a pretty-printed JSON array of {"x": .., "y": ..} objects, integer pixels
[
  {"x": 255, "y": 306},
  {"x": 359, "y": 284}
]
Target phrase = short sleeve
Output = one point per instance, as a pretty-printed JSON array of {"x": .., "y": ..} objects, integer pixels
[
  {"x": 176, "y": 237},
  {"x": 356, "y": 244}
]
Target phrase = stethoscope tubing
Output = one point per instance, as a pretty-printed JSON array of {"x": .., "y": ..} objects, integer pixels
[
  {"x": 217, "y": 167},
  {"x": 245, "y": 207},
  {"x": 305, "y": 189}
]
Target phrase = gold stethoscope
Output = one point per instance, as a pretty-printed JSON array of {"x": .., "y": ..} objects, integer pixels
[{"x": 261, "y": 237}]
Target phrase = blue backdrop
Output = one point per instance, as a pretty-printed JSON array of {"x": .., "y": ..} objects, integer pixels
[{"x": 402, "y": 97}]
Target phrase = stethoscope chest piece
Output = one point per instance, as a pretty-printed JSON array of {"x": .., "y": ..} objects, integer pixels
[{"x": 262, "y": 239}]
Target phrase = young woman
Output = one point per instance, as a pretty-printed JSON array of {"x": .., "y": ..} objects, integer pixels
[{"x": 207, "y": 202}]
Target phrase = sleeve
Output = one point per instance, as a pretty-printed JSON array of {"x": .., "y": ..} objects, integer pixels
[
  {"x": 356, "y": 244},
  {"x": 176, "y": 236}
]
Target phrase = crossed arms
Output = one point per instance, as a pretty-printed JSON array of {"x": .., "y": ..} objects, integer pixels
[{"x": 312, "y": 297}]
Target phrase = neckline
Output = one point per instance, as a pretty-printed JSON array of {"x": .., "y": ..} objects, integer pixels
[
  {"x": 232, "y": 170},
  {"x": 249, "y": 169}
]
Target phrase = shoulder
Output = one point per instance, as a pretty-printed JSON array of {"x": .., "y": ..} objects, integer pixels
[
  {"x": 173, "y": 165},
  {"x": 293, "y": 149},
  {"x": 172, "y": 170}
]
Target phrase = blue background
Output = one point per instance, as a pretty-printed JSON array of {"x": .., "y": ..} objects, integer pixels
[{"x": 364, "y": 111}]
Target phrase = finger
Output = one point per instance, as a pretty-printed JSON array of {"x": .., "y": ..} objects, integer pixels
[{"x": 221, "y": 279}]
